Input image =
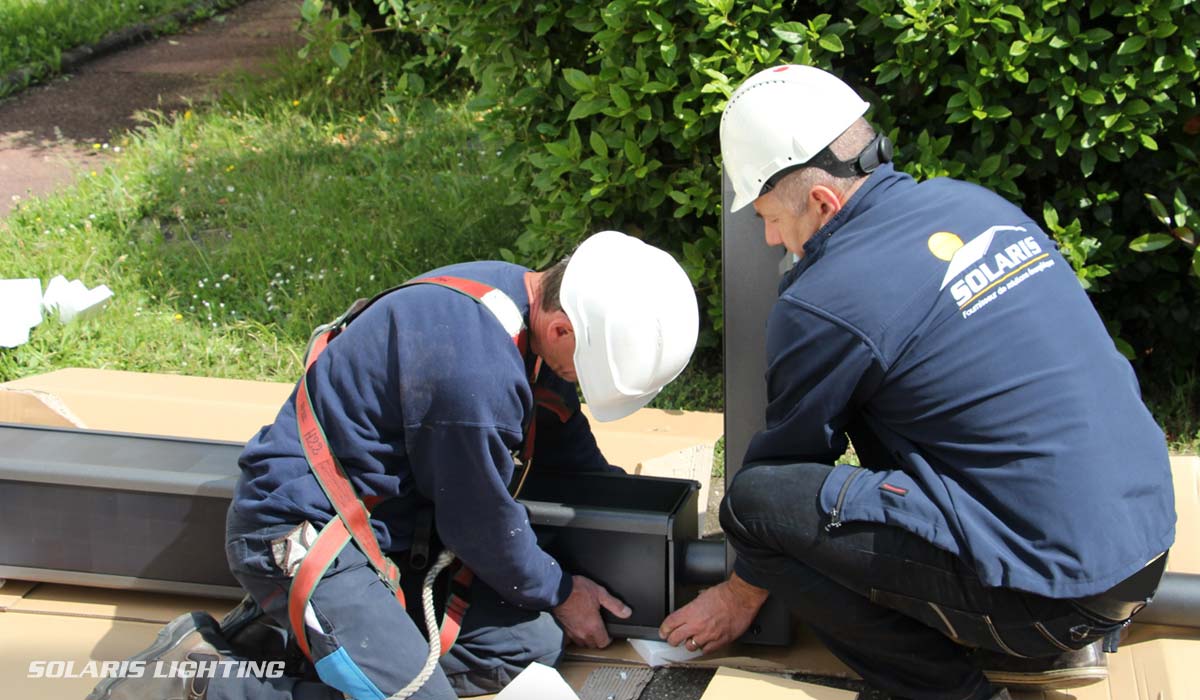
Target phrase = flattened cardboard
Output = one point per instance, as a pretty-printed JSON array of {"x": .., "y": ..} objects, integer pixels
[
  {"x": 736, "y": 683},
  {"x": 162, "y": 404},
  {"x": 12, "y": 591},
  {"x": 26, "y": 638},
  {"x": 805, "y": 655},
  {"x": 234, "y": 409},
  {"x": 111, "y": 604}
]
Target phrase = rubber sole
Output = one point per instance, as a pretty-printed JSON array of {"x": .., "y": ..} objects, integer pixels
[
  {"x": 1047, "y": 680},
  {"x": 168, "y": 638}
]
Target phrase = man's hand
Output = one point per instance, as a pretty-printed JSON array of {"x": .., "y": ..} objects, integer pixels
[
  {"x": 580, "y": 617},
  {"x": 716, "y": 617}
]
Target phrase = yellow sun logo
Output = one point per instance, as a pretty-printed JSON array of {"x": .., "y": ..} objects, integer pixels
[{"x": 944, "y": 245}]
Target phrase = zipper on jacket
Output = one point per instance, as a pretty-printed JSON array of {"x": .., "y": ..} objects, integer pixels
[{"x": 835, "y": 515}]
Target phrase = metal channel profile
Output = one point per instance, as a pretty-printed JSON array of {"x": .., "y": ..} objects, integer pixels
[
  {"x": 627, "y": 533},
  {"x": 148, "y": 513},
  {"x": 115, "y": 510}
]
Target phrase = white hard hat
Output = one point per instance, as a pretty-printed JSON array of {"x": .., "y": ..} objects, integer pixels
[
  {"x": 635, "y": 318},
  {"x": 780, "y": 118}
]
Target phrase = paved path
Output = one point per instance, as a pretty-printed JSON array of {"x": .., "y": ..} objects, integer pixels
[{"x": 47, "y": 132}]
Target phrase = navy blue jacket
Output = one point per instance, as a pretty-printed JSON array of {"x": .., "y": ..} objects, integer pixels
[
  {"x": 943, "y": 316},
  {"x": 422, "y": 398}
]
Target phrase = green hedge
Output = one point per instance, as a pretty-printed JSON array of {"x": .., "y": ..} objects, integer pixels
[{"x": 1083, "y": 113}]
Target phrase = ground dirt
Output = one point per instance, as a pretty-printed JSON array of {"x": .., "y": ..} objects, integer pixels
[{"x": 48, "y": 132}]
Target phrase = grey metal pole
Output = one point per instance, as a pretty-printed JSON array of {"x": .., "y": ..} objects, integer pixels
[{"x": 750, "y": 280}]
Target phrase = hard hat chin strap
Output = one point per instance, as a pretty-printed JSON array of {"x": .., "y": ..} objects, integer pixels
[{"x": 878, "y": 152}]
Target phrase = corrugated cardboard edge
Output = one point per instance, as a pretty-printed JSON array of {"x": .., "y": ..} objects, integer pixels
[
  {"x": 33, "y": 407},
  {"x": 736, "y": 683}
]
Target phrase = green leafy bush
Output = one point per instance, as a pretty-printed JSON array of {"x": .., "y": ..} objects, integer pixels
[{"x": 1074, "y": 110}]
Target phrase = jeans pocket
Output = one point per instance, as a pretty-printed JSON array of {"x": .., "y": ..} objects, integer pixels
[
  {"x": 1048, "y": 637},
  {"x": 1074, "y": 630},
  {"x": 966, "y": 627}
]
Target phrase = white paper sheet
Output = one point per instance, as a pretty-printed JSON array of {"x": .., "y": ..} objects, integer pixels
[
  {"x": 73, "y": 300},
  {"x": 540, "y": 682},
  {"x": 20, "y": 310}
]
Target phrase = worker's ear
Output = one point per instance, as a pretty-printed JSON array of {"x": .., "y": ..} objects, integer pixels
[
  {"x": 826, "y": 200},
  {"x": 560, "y": 325}
]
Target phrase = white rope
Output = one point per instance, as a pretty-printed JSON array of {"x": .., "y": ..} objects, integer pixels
[{"x": 435, "y": 640}]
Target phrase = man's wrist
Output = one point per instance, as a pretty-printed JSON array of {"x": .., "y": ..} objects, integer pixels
[{"x": 746, "y": 594}]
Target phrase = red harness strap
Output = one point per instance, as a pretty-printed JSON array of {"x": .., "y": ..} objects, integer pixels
[{"x": 353, "y": 519}]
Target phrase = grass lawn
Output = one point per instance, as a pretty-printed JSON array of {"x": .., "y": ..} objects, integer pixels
[
  {"x": 227, "y": 233},
  {"x": 35, "y": 33}
]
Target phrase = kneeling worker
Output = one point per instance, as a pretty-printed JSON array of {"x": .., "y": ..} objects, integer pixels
[
  {"x": 1014, "y": 505},
  {"x": 401, "y": 435}
]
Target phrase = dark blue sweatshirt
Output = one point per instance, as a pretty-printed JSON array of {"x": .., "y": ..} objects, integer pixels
[
  {"x": 422, "y": 398},
  {"x": 946, "y": 318}
]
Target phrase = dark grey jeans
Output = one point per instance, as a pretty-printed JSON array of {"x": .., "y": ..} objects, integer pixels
[{"x": 899, "y": 611}]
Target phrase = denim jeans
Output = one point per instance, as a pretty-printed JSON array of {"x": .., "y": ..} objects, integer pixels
[
  {"x": 369, "y": 647},
  {"x": 899, "y": 611}
]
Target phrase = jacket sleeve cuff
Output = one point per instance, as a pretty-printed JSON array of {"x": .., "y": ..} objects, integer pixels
[
  {"x": 565, "y": 586},
  {"x": 747, "y": 574}
]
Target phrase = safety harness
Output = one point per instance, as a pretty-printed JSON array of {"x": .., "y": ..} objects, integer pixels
[{"x": 353, "y": 513}]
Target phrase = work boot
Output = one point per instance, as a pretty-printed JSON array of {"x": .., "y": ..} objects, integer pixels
[
  {"x": 1067, "y": 670},
  {"x": 192, "y": 636}
]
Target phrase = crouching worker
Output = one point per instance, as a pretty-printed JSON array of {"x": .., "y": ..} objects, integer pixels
[
  {"x": 399, "y": 439},
  {"x": 1014, "y": 505}
]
